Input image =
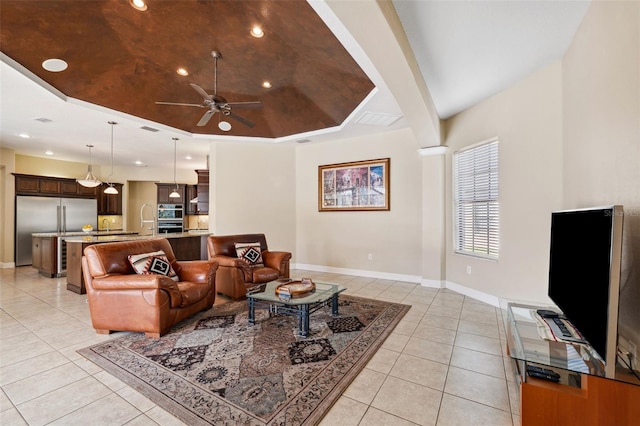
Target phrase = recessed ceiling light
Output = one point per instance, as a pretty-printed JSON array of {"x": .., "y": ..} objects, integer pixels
[
  {"x": 266, "y": 84},
  {"x": 257, "y": 32},
  {"x": 225, "y": 126},
  {"x": 182, "y": 71},
  {"x": 54, "y": 65},
  {"x": 138, "y": 5},
  {"x": 48, "y": 152},
  {"x": 138, "y": 163},
  {"x": 24, "y": 135},
  {"x": 188, "y": 157}
]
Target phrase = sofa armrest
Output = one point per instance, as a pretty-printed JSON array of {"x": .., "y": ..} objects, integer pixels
[
  {"x": 196, "y": 271},
  {"x": 234, "y": 262},
  {"x": 139, "y": 282},
  {"x": 277, "y": 260}
]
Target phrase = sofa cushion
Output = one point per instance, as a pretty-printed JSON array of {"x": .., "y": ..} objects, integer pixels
[
  {"x": 153, "y": 263},
  {"x": 192, "y": 293},
  {"x": 250, "y": 252},
  {"x": 264, "y": 275}
]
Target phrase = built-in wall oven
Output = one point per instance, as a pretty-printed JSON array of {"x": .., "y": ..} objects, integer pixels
[{"x": 170, "y": 218}]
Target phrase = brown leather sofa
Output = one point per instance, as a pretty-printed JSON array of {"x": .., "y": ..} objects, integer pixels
[
  {"x": 235, "y": 275},
  {"x": 120, "y": 299}
]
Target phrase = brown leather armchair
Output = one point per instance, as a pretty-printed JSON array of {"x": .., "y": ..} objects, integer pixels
[
  {"x": 120, "y": 299},
  {"x": 235, "y": 275}
]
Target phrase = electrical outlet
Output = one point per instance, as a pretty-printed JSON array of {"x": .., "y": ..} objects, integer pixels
[
  {"x": 370, "y": 256},
  {"x": 626, "y": 346},
  {"x": 469, "y": 270}
]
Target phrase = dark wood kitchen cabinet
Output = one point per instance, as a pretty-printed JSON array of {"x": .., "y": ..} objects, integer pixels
[
  {"x": 52, "y": 186},
  {"x": 190, "y": 206},
  {"x": 164, "y": 189},
  {"x": 44, "y": 255},
  {"x": 203, "y": 191},
  {"x": 110, "y": 204}
]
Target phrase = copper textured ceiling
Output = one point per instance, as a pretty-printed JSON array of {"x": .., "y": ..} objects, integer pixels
[{"x": 126, "y": 60}]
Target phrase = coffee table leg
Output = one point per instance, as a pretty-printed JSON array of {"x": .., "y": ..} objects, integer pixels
[
  {"x": 303, "y": 321},
  {"x": 334, "y": 305},
  {"x": 252, "y": 310}
]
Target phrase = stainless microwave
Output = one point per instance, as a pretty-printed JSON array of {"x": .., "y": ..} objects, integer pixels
[{"x": 170, "y": 211}]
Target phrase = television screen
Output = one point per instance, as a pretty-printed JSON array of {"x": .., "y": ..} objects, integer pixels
[{"x": 584, "y": 273}]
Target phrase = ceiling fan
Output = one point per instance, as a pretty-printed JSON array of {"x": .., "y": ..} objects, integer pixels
[{"x": 216, "y": 103}]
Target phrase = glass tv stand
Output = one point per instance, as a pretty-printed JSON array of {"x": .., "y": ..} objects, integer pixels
[{"x": 564, "y": 383}]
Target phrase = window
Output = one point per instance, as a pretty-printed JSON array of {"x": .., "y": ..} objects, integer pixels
[{"x": 476, "y": 209}]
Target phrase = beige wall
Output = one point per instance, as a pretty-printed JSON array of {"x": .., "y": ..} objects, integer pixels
[
  {"x": 569, "y": 138},
  {"x": 601, "y": 84},
  {"x": 140, "y": 193},
  {"x": 433, "y": 220},
  {"x": 7, "y": 207},
  {"x": 527, "y": 120},
  {"x": 344, "y": 239},
  {"x": 252, "y": 189}
]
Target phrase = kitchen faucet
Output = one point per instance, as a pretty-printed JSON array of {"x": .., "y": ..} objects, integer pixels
[
  {"x": 103, "y": 220},
  {"x": 152, "y": 221}
]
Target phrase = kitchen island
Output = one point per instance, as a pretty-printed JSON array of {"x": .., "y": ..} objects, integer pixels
[
  {"x": 49, "y": 249},
  {"x": 185, "y": 245}
]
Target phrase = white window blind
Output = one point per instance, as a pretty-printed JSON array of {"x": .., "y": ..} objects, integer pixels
[{"x": 476, "y": 200}]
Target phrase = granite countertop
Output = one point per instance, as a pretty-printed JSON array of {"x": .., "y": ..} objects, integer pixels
[
  {"x": 113, "y": 238},
  {"x": 81, "y": 233}
]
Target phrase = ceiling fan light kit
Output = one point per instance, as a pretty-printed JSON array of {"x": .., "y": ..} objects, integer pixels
[
  {"x": 89, "y": 181},
  {"x": 216, "y": 103}
]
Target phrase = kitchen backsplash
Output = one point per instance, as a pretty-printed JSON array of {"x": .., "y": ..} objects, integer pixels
[
  {"x": 109, "y": 222},
  {"x": 116, "y": 222},
  {"x": 197, "y": 222}
]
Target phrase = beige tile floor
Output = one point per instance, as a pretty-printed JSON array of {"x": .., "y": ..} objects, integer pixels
[{"x": 444, "y": 364}]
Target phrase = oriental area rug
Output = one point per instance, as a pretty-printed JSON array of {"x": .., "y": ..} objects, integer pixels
[{"x": 216, "y": 368}]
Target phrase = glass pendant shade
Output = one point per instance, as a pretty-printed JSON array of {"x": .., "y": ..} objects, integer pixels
[
  {"x": 110, "y": 189},
  {"x": 175, "y": 194},
  {"x": 89, "y": 181}
]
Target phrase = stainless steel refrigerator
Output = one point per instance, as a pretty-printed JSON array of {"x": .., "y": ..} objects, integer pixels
[{"x": 50, "y": 214}]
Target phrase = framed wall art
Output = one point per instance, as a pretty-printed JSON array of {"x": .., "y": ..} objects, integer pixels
[{"x": 355, "y": 186}]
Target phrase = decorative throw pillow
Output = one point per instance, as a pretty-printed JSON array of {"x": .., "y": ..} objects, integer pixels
[
  {"x": 250, "y": 252},
  {"x": 153, "y": 263}
]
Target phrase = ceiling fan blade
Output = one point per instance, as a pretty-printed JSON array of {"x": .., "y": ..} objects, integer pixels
[
  {"x": 180, "y": 104},
  {"x": 202, "y": 92},
  {"x": 206, "y": 117},
  {"x": 240, "y": 119},
  {"x": 245, "y": 105}
]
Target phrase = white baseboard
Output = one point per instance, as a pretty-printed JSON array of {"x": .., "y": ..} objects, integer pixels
[
  {"x": 474, "y": 294},
  {"x": 358, "y": 272},
  {"x": 432, "y": 283},
  {"x": 4, "y": 265}
]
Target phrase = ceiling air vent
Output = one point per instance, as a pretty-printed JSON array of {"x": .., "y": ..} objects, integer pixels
[
  {"x": 151, "y": 129},
  {"x": 43, "y": 120},
  {"x": 303, "y": 140},
  {"x": 377, "y": 119}
]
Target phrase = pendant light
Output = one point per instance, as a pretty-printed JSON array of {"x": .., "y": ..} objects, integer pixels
[
  {"x": 90, "y": 181},
  {"x": 111, "y": 189},
  {"x": 175, "y": 193}
]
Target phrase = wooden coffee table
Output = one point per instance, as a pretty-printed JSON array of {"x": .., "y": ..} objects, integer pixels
[{"x": 301, "y": 306}]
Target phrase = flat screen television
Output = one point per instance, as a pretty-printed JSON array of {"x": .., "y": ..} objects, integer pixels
[{"x": 584, "y": 274}]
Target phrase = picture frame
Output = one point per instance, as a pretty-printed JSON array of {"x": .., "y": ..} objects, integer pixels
[{"x": 354, "y": 186}]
